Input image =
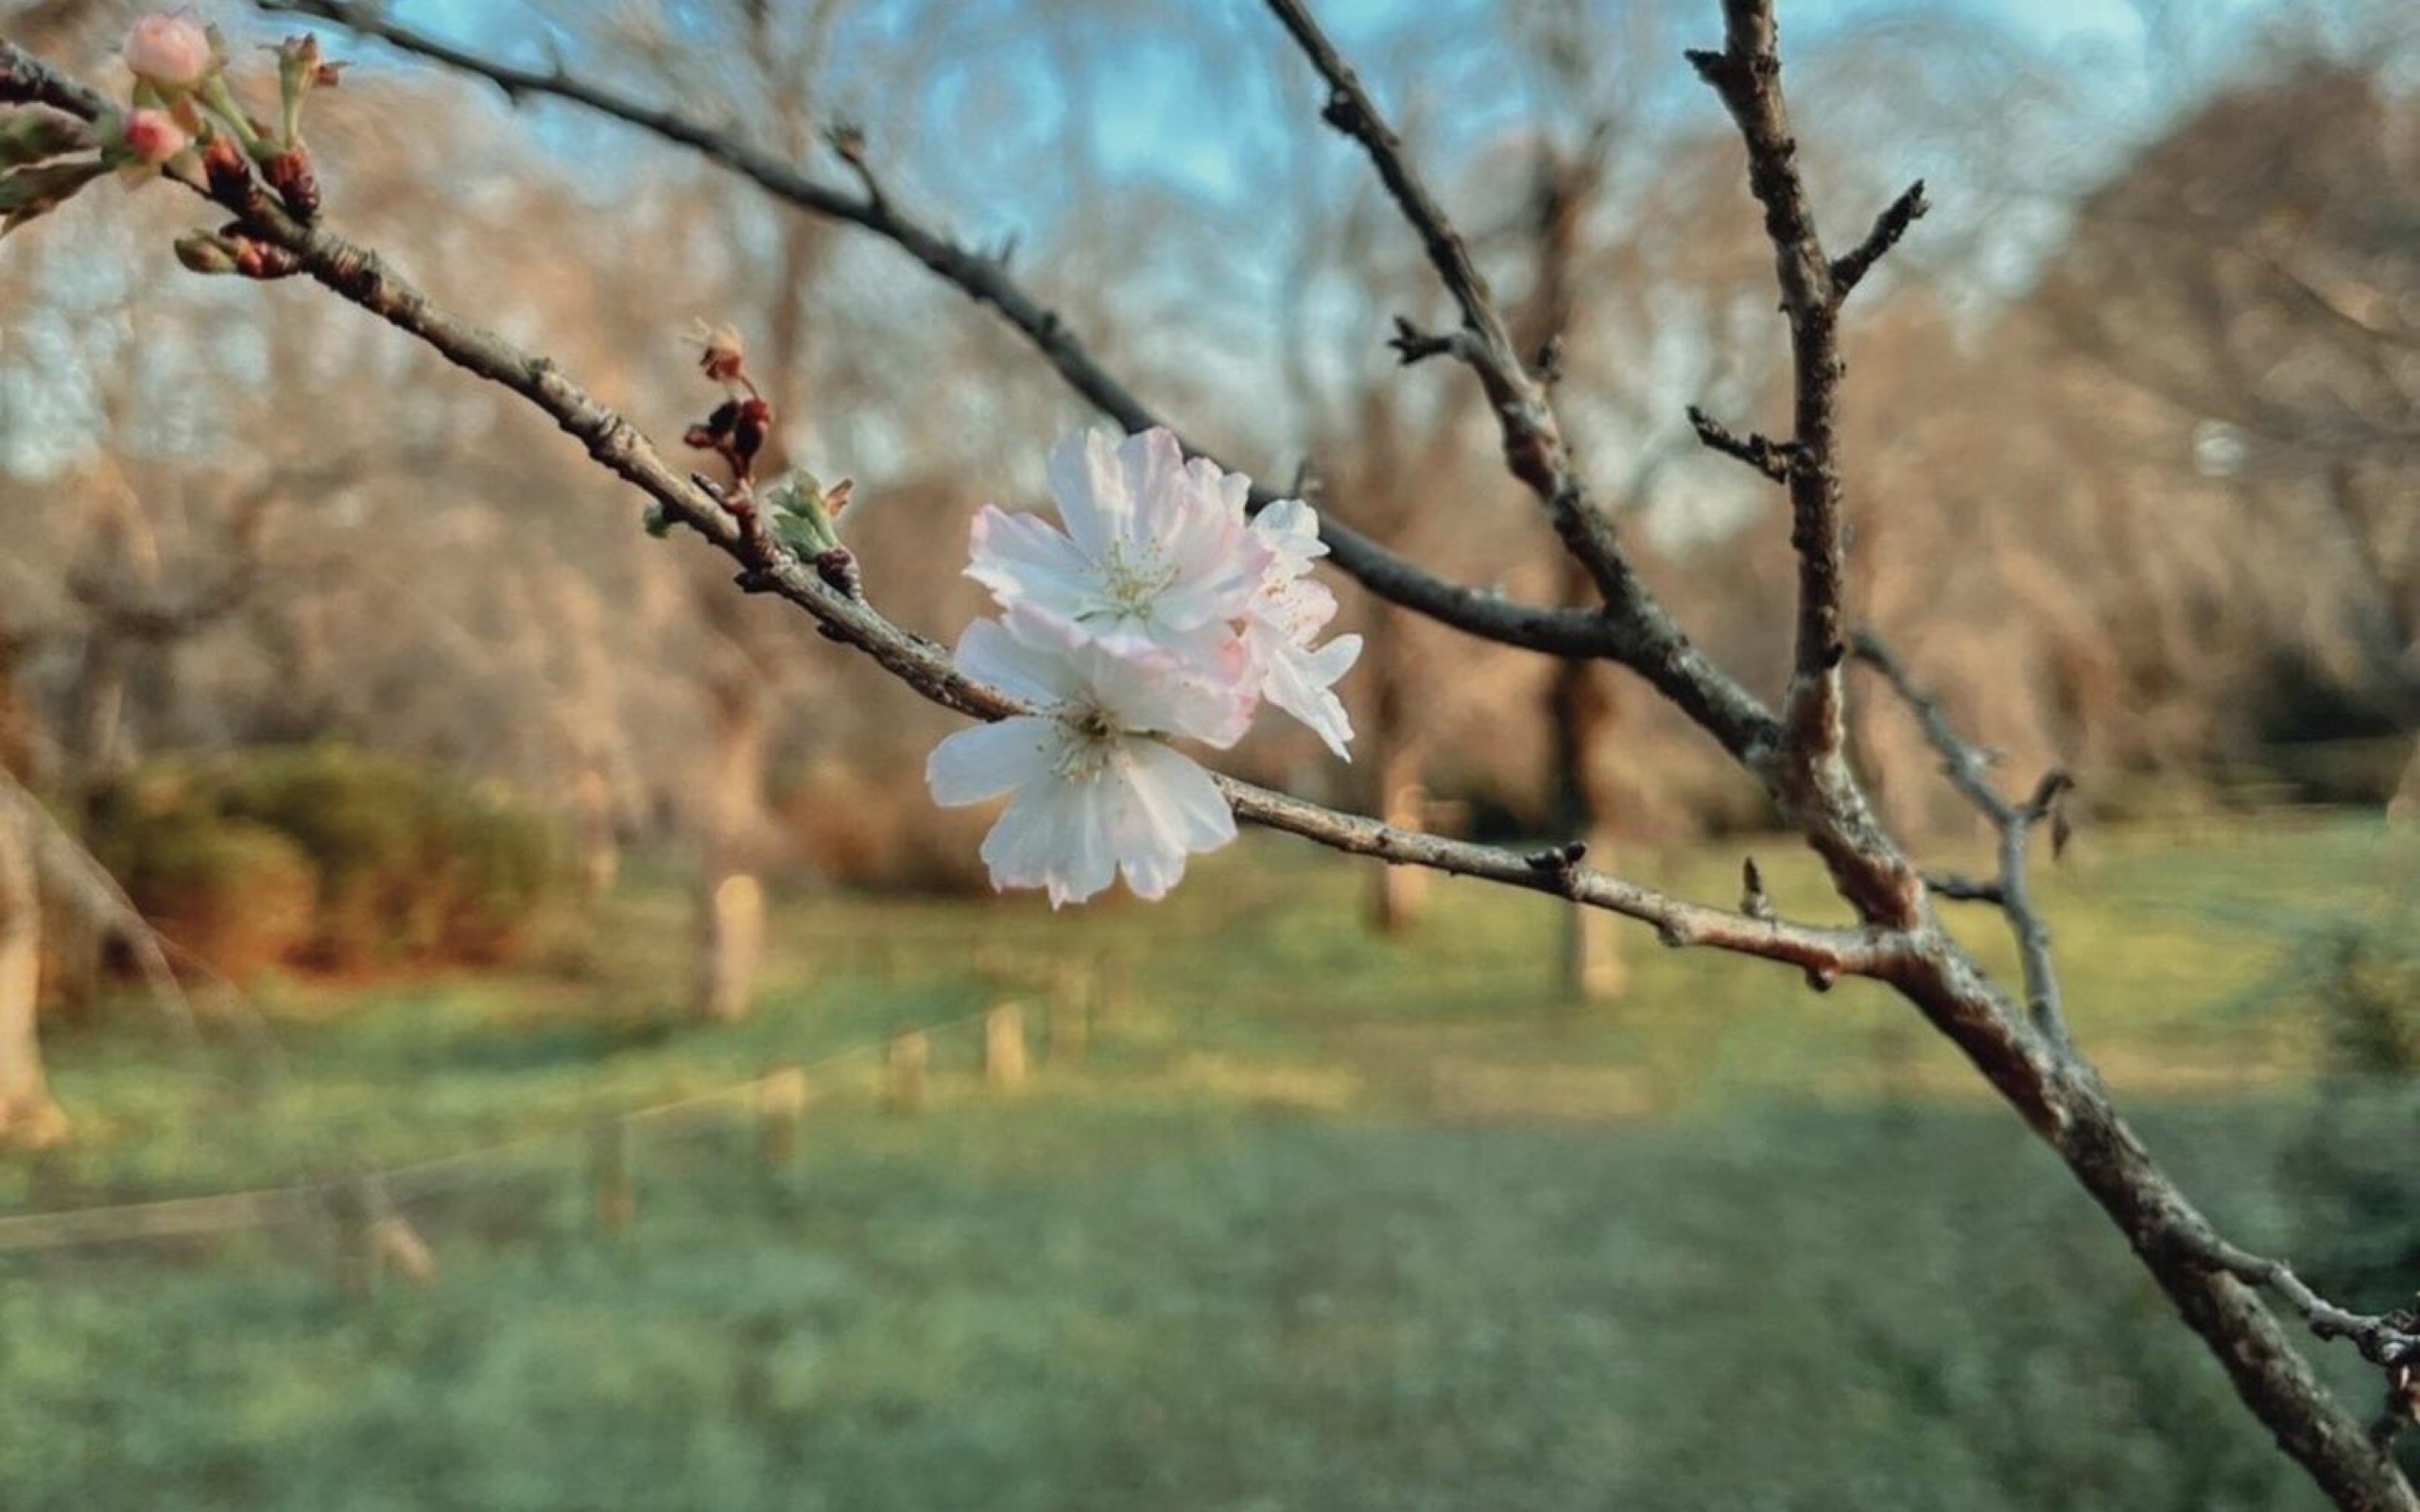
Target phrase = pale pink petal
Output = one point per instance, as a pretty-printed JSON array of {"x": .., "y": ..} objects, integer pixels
[
  {"x": 1290, "y": 529},
  {"x": 1020, "y": 556},
  {"x": 1298, "y": 679},
  {"x": 1206, "y": 690},
  {"x": 1030, "y": 667},
  {"x": 989, "y": 759},
  {"x": 1153, "y": 466},
  {"x": 1090, "y": 486}
]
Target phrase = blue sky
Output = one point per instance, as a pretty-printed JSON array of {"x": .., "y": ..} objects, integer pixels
[{"x": 1164, "y": 113}]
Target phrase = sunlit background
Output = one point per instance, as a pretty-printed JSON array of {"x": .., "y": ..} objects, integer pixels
[{"x": 508, "y": 862}]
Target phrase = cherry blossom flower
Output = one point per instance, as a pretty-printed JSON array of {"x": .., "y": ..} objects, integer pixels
[
  {"x": 1287, "y": 614},
  {"x": 1098, "y": 790},
  {"x": 170, "y": 50},
  {"x": 1155, "y": 554}
]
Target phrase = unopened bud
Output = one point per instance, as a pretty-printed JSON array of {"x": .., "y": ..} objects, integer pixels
[
  {"x": 291, "y": 174},
  {"x": 301, "y": 69},
  {"x": 802, "y": 518},
  {"x": 265, "y": 260},
  {"x": 839, "y": 568},
  {"x": 153, "y": 137},
  {"x": 206, "y": 252},
  {"x": 32, "y": 136},
  {"x": 171, "y": 50},
  {"x": 226, "y": 173}
]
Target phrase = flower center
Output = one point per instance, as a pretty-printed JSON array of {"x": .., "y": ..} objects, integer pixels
[
  {"x": 1086, "y": 756},
  {"x": 1129, "y": 583}
]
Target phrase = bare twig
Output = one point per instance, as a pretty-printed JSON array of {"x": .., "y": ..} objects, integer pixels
[
  {"x": 1762, "y": 453},
  {"x": 1969, "y": 771},
  {"x": 1849, "y": 270},
  {"x": 2390, "y": 1340},
  {"x": 1535, "y": 448},
  {"x": 1746, "y": 73}
]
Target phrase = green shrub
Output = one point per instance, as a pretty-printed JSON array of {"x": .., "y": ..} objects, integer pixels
[
  {"x": 236, "y": 897},
  {"x": 404, "y": 864}
]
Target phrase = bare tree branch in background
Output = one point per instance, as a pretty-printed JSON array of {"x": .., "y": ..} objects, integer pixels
[{"x": 1636, "y": 634}]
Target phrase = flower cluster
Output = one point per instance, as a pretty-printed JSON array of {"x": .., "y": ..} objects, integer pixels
[
  {"x": 183, "y": 120},
  {"x": 1155, "y": 608}
]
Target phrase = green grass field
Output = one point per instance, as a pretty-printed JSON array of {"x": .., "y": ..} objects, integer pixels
[{"x": 1322, "y": 1222}]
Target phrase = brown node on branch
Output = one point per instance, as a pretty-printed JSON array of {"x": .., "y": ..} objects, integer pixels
[
  {"x": 1558, "y": 858},
  {"x": 291, "y": 174},
  {"x": 1413, "y": 344},
  {"x": 1753, "y": 901}
]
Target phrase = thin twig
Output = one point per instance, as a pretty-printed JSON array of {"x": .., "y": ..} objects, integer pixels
[
  {"x": 1969, "y": 771},
  {"x": 1746, "y": 73}
]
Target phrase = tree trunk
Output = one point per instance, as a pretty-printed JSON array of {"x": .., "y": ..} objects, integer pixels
[
  {"x": 731, "y": 945},
  {"x": 600, "y": 847},
  {"x": 2405, "y": 806},
  {"x": 28, "y": 1118},
  {"x": 1579, "y": 708},
  {"x": 730, "y": 906},
  {"x": 1396, "y": 795}
]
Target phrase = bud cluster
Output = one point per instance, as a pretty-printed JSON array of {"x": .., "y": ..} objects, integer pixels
[
  {"x": 182, "y": 120},
  {"x": 802, "y": 513}
]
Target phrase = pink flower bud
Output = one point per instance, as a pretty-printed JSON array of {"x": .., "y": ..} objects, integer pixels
[
  {"x": 153, "y": 136},
  {"x": 171, "y": 49}
]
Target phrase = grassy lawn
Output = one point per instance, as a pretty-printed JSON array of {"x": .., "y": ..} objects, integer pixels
[{"x": 1324, "y": 1222}]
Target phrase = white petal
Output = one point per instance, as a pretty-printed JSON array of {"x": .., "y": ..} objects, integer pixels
[
  {"x": 1334, "y": 659},
  {"x": 1021, "y": 557},
  {"x": 1291, "y": 528},
  {"x": 1297, "y": 680},
  {"x": 1090, "y": 486},
  {"x": 1030, "y": 667},
  {"x": 1055, "y": 835},
  {"x": 989, "y": 759},
  {"x": 1202, "y": 685},
  {"x": 1164, "y": 808},
  {"x": 1153, "y": 465}
]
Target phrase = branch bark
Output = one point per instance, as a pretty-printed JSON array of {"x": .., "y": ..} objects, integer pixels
[
  {"x": 1746, "y": 73},
  {"x": 1535, "y": 448}
]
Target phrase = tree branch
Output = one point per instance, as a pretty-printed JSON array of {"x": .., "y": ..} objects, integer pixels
[
  {"x": 1746, "y": 73},
  {"x": 1534, "y": 449},
  {"x": 1762, "y": 453},
  {"x": 360, "y": 277},
  {"x": 985, "y": 278},
  {"x": 1969, "y": 770},
  {"x": 1849, "y": 271}
]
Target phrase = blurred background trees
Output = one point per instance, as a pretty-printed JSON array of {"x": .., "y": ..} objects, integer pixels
[{"x": 2134, "y": 429}]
